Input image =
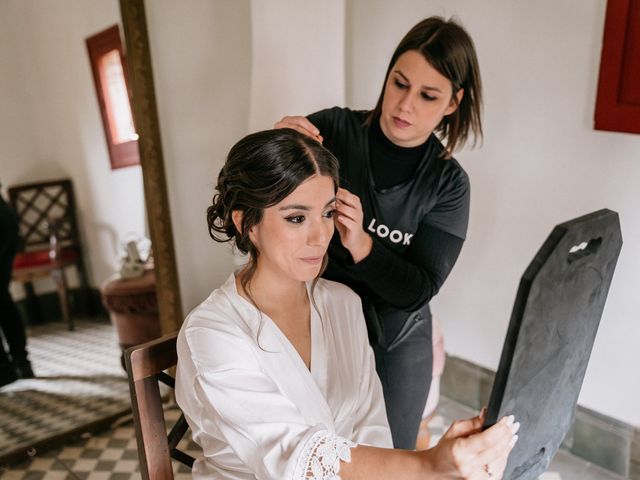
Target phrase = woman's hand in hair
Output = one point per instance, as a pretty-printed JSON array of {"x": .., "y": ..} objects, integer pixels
[
  {"x": 349, "y": 222},
  {"x": 302, "y": 125},
  {"x": 465, "y": 451}
]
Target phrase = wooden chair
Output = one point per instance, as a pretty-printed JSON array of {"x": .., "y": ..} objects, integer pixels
[
  {"x": 49, "y": 238},
  {"x": 146, "y": 365}
]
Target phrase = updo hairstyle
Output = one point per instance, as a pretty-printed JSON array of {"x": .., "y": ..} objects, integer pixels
[{"x": 261, "y": 170}]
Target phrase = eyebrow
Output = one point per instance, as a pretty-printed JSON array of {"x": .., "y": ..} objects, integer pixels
[
  {"x": 305, "y": 208},
  {"x": 425, "y": 87}
]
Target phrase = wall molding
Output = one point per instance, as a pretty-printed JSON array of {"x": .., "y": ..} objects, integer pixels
[{"x": 594, "y": 437}]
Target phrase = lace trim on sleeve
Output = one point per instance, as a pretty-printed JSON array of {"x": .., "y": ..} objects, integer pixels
[{"x": 321, "y": 456}]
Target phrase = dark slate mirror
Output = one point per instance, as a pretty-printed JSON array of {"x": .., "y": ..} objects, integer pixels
[{"x": 550, "y": 336}]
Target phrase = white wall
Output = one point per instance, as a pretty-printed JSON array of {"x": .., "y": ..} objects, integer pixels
[
  {"x": 298, "y": 58},
  {"x": 52, "y": 123},
  {"x": 223, "y": 69},
  {"x": 201, "y": 54},
  {"x": 15, "y": 145},
  {"x": 541, "y": 164}
]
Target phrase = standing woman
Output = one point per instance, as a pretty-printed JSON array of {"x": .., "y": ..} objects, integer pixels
[{"x": 402, "y": 215}]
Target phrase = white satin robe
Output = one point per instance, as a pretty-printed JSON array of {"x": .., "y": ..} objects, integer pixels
[{"x": 255, "y": 408}]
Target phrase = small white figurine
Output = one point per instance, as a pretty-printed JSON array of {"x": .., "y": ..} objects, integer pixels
[{"x": 132, "y": 265}]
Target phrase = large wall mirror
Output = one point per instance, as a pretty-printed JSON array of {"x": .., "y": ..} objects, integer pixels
[
  {"x": 50, "y": 131},
  {"x": 51, "y": 128}
]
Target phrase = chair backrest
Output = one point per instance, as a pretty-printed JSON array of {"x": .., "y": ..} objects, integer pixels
[
  {"x": 146, "y": 364},
  {"x": 42, "y": 204}
]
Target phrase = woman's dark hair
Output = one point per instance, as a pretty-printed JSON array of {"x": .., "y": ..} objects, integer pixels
[
  {"x": 260, "y": 171},
  {"x": 449, "y": 49}
]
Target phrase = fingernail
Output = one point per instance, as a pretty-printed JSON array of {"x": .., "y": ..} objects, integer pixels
[
  {"x": 515, "y": 427},
  {"x": 483, "y": 411},
  {"x": 513, "y": 441},
  {"x": 510, "y": 420}
]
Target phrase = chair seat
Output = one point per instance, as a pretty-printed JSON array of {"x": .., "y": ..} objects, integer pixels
[{"x": 40, "y": 258}]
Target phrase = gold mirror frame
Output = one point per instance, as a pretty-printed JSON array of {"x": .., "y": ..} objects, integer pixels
[{"x": 145, "y": 115}]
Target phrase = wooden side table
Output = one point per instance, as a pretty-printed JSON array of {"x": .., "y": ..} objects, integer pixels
[{"x": 133, "y": 307}]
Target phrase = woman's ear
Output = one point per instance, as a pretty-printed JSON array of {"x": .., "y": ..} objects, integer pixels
[
  {"x": 455, "y": 102},
  {"x": 236, "y": 216}
]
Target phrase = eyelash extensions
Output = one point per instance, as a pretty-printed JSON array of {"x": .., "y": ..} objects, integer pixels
[
  {"x": 403, "y": 86},
  {"x": 300, "y": 218}
]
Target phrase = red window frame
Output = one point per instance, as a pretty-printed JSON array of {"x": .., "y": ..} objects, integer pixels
[
  {"x": 618, "y": 100},
  {"x": 123, "y": 154}
]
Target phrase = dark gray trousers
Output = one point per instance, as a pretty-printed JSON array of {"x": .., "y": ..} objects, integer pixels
[{"x": 404, "y": 360}]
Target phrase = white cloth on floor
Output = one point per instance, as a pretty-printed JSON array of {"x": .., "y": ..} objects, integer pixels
[{"x": 252, "y": 404}]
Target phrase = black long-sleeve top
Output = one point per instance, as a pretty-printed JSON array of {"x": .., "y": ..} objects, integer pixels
[{"x": 416, "y": 209}]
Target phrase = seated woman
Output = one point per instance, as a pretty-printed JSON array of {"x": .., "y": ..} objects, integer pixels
[{"x": 275, "y": 373}]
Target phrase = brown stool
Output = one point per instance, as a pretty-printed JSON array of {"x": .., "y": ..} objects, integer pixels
[{"x": 133, "y": 308}]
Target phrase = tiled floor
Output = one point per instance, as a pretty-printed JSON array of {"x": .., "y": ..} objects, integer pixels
[
  {"x": 112, "y": 454},
  {"x": 79, "y": 383}
]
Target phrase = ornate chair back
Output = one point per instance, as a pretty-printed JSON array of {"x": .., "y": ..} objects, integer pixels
[{"x": 49, "y": 238}]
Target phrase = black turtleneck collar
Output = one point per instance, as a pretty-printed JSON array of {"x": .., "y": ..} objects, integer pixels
[{"x": 391, "y": 164}]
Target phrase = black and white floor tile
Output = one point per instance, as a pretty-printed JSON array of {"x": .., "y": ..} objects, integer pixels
[
  {"x": 110, "y": 455},
  {"x": 79, "y": 384},
  {"x": 80, "y": 375}
]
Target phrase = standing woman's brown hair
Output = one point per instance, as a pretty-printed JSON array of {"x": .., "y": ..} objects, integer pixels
[{"x": 450, "y": 50}]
